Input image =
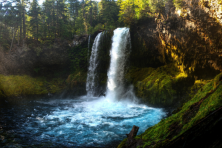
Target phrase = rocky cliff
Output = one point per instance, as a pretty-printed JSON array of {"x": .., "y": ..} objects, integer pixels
[{"x": 187, "y": 37}]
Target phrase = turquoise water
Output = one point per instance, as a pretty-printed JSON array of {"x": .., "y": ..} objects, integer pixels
[{"x": 80, "y": 122}]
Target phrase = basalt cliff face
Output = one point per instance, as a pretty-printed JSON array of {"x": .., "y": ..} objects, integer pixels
[
  {"x": 40, "y": 61},
  {"x": 176, "y": 51}
]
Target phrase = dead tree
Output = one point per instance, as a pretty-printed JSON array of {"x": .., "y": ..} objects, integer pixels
[{"x": 131, "y": 136}]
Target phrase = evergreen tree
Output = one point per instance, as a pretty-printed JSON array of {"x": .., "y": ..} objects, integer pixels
[
  {"x": 61, "y": 18},
  {"x": 74, "y": 7},
  {"x": 8, "y": 24},
  {"x": 24, "y": 2},
  {"x": 35, "y": 19},
  {"x": 49, "y": 17},
  {"x": 20, "y": 16},
  {"x": 109, "y": 13}
]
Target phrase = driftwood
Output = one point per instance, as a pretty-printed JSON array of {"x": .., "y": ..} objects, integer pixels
[{"x": 131, "y": 136}]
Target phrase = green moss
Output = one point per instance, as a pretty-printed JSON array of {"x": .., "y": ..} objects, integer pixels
[
  {"x": 157, "y": 86},
  {"x": 76, "y": 78},
  {"x": 209, "y": 97},
  {"x": 138, "y": 74},
  {"x": 122, "y": 143},
  {"x": 210, "y": 104},
  {"x": 15, "y": 85}
]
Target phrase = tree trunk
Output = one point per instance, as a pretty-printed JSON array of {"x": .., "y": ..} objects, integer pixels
[
  {"x": 44, "y": 29},
  {"x": 57, "y": 19},
  {"x": 73, "y": 25},
  {"x": 1, "y": 31},
  {"x": 76, "y": 14},
  {"x": 37, "y": 30},
  {"x": 48, "y": 27},
  {"x": 91, "y": 13},
  {"x": 18, "y": 37},
  {"x": 83, "y": 9},
  {"x": 24, "y": 26},
  {"x": 53, "y": 21},
  {"x": 77, "y": 10},
  {"x": 12, "y": 38}
]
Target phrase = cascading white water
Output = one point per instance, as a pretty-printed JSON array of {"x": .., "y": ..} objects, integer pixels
[
  {"x": 93, "y": 62},
  {"x": 118, "y": 55}
]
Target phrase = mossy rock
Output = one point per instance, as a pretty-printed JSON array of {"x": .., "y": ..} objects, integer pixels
[
  {"x": 208, "y": 99},
  {"x": 160, "y": 86}
]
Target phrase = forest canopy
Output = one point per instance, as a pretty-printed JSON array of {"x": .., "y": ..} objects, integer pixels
[{"x": 25, "y": 20}]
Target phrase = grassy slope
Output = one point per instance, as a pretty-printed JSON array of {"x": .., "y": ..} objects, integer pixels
[
  {"x": 15, "y": 85},
  {"x": 207, "y": 99}
]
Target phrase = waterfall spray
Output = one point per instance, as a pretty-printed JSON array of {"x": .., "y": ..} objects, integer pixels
[{"x": 93, "y": 62}]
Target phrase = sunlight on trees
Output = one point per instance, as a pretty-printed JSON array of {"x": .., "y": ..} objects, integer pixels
[{"x": 22, "y": 20}]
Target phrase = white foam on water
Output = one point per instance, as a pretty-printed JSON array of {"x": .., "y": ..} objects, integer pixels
[{"x": 99, "y": 120}]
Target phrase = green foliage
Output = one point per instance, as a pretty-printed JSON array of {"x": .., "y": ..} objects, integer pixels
[
  {"x": 108, "y": 13},
  {"x": 209, "y": 98},
  {"x": 38, "y": 50},
  {"x": 54, "y": 19},
  {"x": 157, "y": 86},
  {"x": 9, "y": 20},
  {"x": 178, "y": 3},
  {"x": 122, "y": 143},
  {"x": 15, "y": 85},
  {"x": 35, "y": 20},
  {"x": 78, "y": 58},
  {"x": 37, "y": 70},
  {"x": 131, "y": 11},
  {"x": 76, "y": 78}
]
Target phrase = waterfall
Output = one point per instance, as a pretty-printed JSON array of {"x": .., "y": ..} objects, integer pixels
[
  {"x": 120, "y": 50},
  {"x": 119, "y": 53},
  {"x": 93, "y": 62}
]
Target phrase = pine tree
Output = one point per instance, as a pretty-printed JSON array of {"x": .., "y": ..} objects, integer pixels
[
  {"x": 24, "y": 20},
  {"x": 35, "y": 19},
  {"x": 61, "y": 18},
  {"x": 109, "y": 13},
  {"x": 9, "y": 24},
  {"x": 49, "y": 17},
  {"x": 20, "y": 18},
  {"x": 74, "y": 7}
]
